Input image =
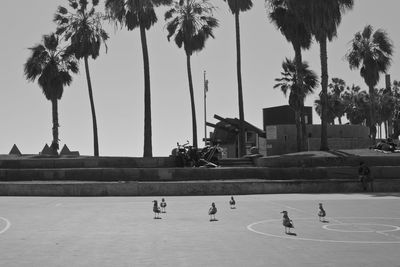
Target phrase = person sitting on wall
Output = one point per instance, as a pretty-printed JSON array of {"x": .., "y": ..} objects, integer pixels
[{"x": 364, "y": 175}]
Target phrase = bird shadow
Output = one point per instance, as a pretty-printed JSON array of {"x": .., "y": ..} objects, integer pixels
[
  {"x": 232, "y": 208},
  {"x": 325, "y": 221},
  {"x": 157, "y": 218},
  {"x": 213, "y": 220},
  {"x": 294, "y": 234}
]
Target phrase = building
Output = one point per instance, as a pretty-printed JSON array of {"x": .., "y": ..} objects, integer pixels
[
  {"x": 226, "y": 133},
  {"x": 280, "y": 129}
]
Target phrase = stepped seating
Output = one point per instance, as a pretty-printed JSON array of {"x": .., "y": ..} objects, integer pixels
[
  {"x": 106, "y": 176},
  {"x": 236, "y": 162}
]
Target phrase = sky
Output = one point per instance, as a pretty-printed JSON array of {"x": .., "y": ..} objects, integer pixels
[{"x": 117, "y": 78}]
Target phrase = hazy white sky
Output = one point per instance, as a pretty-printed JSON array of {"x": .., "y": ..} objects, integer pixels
[{"x": 117, "y": 77}]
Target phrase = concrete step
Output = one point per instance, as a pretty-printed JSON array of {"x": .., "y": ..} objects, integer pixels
[
  {"x": 213, "y": 187},
  {"x": 236, "y": 162},
  {"x": 86, "y": 162},
  {"x": 191, "y": 174}
]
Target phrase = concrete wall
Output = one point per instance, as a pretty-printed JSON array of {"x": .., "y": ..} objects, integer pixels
[{"x": 190, "y": 188}]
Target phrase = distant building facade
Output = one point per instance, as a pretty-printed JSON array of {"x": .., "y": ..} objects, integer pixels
[{"x": 280, "y": 129}]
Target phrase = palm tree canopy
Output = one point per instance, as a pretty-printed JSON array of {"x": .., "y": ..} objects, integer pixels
[
  {"x": 372, "y": 51},
  {"x": 321, "y": 17},
  {"x": 191, "y": 23},
  {"x": 133, "y": 13},
  {"x": 52, "y": 65},
  {"x": 288, "y": 81},
  {"x": 239, "y": 5},
  {"x": 288, "y": 23},
  {"x": 83, "y": 28}
]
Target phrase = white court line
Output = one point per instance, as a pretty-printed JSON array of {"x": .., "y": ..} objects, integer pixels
[
  {"x": 8, "y": 224},
  {"x": 250, "y": 228}
]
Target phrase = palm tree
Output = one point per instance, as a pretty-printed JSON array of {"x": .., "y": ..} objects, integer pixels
[
  {"x": 335, "y": 103},
  {"x": 356, "y": 105},
  {"x": 289, "y": 82},
  {"x": 84, "y": 31},
  {"x": 139, "y": 14},
  {"x": 52, "y": 66},
  {"x": 191, "y": 23},
  {"x": 298, "y": 35},
  {"x": 371, "y": 52},
  {"x": 237, "y": 6},
  {"x": 322, "y": 18}
]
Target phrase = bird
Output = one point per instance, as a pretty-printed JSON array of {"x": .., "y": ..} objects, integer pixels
[
  {"x": 287, "y": 222},
  {"x": 156, "y": 210},
  {"x": 232, "y": 202},
  {"x": 321, "y": 213},
  {"x": 163, "y": 205},
  {"x": 212, "y": 211}
]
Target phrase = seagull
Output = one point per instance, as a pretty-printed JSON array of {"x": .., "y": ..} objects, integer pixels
[
  {"x": 156, "y": 210},
  {"x": 212, "y": 212},
  {"x": 232, "y": 202},
  {"x": 287, "y": 223},
  {"x": 163, "y": 205},
  {"x": 321, "y": 213}
]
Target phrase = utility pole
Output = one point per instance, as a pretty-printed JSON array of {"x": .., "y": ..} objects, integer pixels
[{"x": 205, "y": 107}]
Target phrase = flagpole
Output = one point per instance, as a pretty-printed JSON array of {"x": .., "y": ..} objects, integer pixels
[{"x": 205, "y": 110}]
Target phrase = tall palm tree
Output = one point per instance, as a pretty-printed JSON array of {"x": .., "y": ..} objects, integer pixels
[
  {"x": 289, "y": 82},
  {"x": 322, "y": 18},
  {"x": 237, "y": 6},
  {"x": 84, "y": 31},
  {"x": 52, "y": 66},
  {"x": 299, "y": 36},
  {"x": 191, "y": 23},
  {"x": 371, "y": 52},
  {"x": 139, "y": 14}
]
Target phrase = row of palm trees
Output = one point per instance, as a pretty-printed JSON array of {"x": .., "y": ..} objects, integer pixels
[
  {"x": 355, "y": 104},
  {"x": 189, "y": 23},
  {"x": 300, "y": 21}
]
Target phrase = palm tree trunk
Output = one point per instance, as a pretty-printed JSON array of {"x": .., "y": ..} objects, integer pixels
[
  {"x": 301, "y": 135},
  {"x": 194, "y": 124},
  {"x": 54, "y": 107},
  {"x": 148, "y": 150},
  {"x": 340, "y": 120},
  {"x": 94, "y": 120},
  {"x": 372, "y": 128},
  {"x": 386, "y": 124},
  {"x": 298, "y": 129},
  {"x": 242, "y": 145},
  {"x": 324, "y": 95}
]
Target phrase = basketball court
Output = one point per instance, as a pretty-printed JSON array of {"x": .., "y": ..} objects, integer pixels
[{"x": 359, "y": 230}]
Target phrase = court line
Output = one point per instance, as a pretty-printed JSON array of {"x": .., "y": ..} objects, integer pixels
[
  {"x": 250, "y": 228},
  {"x": 8, "y": 224},
  {"x": 367, "y": 229}
]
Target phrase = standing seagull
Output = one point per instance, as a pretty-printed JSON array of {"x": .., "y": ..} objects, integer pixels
[
  {"x": 287, "y": 223},
  {"x": 212, "y": 212},
  {"x": 232, "y": 202},
  {"x": 321, "y": 213},
  {"x": 163, "y": 205},
  {"x": 156, "y": 210}
]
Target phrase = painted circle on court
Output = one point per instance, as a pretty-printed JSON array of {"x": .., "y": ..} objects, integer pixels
[
  {"x": 7, "y": 225},
  {"x": 361, "y": 227},
  {"x": 365, "y": 227}
]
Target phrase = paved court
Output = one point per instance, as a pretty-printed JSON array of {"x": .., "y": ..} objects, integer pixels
[{"x": 361, "y": 230}]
